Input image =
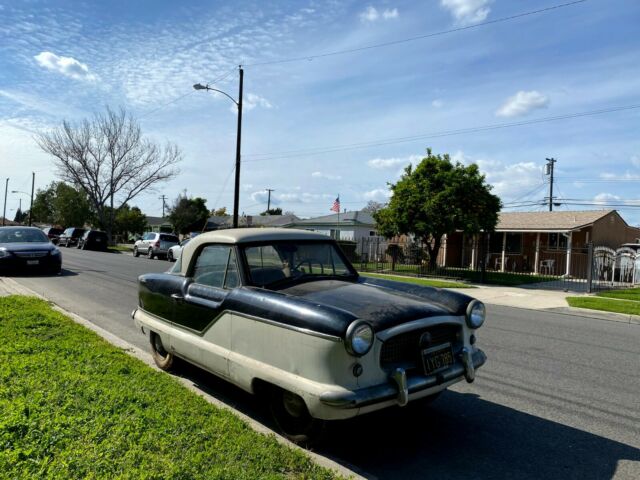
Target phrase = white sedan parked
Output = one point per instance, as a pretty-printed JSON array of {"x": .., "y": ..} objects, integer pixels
[{"x": 174, "y": 252}]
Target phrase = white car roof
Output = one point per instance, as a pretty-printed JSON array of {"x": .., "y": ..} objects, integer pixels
[{"x": 245, "y": 235}]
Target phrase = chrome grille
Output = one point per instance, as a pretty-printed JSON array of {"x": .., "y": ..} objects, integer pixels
[
  {"x": 31, "y": 254},
  {"x": 404, "y": 349}
]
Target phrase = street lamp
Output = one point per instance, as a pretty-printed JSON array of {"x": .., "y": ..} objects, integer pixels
[
  {"x": 236, "y": 194},
  {"x": 27, "y": 194}
]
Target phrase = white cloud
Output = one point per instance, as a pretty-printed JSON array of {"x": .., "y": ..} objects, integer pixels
[
  {"x": 372, "y": 14},
  {"x": 251, "y": 101},
  {"x": 523, "y": 103},
  {"x": 378, "y": 195},
  {"x": 603, "y": 198},
  {"x": 326, "y": 175},
  {"x": 67, "y": 66},
  {"x": 617, "y": 176},
  {"x": 635, "y": 161},
  {"x": 382, "y": 163},
  {"x": 467, "y": 12},
  {"x": 437, "y": 103}
]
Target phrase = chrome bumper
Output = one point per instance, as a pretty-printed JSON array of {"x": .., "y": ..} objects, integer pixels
[{"x": 401, "y": 386}]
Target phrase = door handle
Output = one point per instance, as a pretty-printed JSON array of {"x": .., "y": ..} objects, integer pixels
[{"x": 177, "y": 297}]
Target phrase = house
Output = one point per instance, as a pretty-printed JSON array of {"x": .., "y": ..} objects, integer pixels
[
  {"x": 352, "y": 226},
  {"x": 554, "y": 243},
  {"x": 226, "y": 221},
  {"x": 159, "y": 224}
]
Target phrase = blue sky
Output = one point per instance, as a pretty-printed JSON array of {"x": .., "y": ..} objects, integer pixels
[{"x": 67, "y": 59}]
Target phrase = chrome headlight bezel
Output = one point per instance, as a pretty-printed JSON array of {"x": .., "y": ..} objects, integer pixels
[
  {"x": 4, "y": 253},
  {"x": 476, "y": 314},
  {"x": 359, "y": 338}
]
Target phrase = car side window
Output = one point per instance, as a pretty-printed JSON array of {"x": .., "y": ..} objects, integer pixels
[{"x": 216, "y": 267}]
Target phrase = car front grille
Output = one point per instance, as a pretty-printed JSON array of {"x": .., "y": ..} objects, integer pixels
[
  {"x": 404, "y": 349},
  {"x": 31, "y": 254}
]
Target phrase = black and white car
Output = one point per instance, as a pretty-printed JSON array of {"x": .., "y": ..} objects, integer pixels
[
  {"x": 153, "y": 244},
  {"x": 283, "y": 312}
]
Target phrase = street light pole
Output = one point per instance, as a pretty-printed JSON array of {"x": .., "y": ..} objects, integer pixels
[
  {"x": 236, "y": 194},
  {"x": 33, "y": 182},
  {"x": 4, "y": 210}
]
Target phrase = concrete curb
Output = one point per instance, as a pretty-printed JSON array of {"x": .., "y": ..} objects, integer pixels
[{"x": 12, "y": 287}]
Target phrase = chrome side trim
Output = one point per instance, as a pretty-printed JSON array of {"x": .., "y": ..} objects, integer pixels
[
  {"x": 420, "y": 323},
  {"x": 305, "y": 331},
  {"x": 389, "y": 391}
]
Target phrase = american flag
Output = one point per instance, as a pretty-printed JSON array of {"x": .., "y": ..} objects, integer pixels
[{"x": 336, "y": 205}]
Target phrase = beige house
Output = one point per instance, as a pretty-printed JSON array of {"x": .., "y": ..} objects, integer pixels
[{"x": 553, "y": 243}]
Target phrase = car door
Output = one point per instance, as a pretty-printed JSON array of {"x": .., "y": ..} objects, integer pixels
[
  {"x": 146, "y": 242},
  {"x": 213, "y": 274}
]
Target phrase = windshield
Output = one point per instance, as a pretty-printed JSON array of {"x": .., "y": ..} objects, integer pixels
[
  {"x": 23, "y": 235},
  {"x": 275, "y": 263}
]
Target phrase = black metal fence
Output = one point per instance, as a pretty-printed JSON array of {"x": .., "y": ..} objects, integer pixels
[{"x": 585, "y": 268}]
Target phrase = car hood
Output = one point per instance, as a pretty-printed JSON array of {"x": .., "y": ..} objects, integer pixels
[
  {"x": 382, "y": 303},
  {"x": 28, "y": 246}
]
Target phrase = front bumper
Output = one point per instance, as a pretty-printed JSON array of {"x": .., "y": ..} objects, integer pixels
[{"x": 401, "y": 386}]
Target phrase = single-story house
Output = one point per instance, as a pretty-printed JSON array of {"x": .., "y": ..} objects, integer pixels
[
  {"x": 159, "y": 224},
  {"x": 226, "y": 221},
  {"x": 342, "y": 226},
  {"x": 554, "y": 243}
]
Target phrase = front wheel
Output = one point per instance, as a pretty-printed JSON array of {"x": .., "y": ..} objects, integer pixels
[
  {"x": 150, "y": 253},
  {"x": 136, "y": 253},
  {"x": 164, "y": 360},
  {"x": 293, "y": 418},
  {"x": 170, "y": 256}
]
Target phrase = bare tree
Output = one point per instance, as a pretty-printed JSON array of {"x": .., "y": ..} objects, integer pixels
[
  {"x": 108, "y": 157},
  {"x": 373, "y": 206}
]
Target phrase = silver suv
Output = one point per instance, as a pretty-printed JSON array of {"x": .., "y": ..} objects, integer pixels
[{"x": 155, "y": 244}]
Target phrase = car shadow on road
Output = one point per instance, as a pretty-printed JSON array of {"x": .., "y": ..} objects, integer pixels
[
  {"x": 38, "y": 274},
  {"x": 458, "y": 436}
]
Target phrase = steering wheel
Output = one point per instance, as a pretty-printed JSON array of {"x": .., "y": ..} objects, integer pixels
[{"x": 309, "y": 261}]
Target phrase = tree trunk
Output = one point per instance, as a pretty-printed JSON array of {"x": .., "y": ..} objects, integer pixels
[{"x": 433, "y": 246}]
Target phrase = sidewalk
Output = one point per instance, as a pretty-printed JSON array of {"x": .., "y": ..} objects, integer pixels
[{"x": 532, "y": 299}]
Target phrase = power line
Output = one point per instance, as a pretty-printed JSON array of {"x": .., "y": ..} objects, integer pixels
[
  {"x": 413, "y": 39},
  {"x": 413, "y": 138}
]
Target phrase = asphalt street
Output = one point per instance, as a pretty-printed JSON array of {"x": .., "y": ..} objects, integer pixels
[{"x": 558, "y": 398}]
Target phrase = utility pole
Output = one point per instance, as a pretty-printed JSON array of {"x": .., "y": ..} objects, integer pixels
[
  {"x": 163, "y": 197},
  {"x": 4, "y": 210},
  {"x": 33, "y": 183},
  {"x": 549, "y": 171},
  {"x": 236, "y": 194},
  {"x": 269, "y": 190}
]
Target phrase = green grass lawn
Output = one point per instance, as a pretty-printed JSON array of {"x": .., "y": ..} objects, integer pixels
[
  {"x": 606, "y": 304},
  {"x": 427, "y": 282},
  {"x": 628, "y": 294},
  {"x": 73, "y": 406}
]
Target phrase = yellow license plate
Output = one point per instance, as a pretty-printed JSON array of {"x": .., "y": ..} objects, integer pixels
[{"x": 437, "y": 358}]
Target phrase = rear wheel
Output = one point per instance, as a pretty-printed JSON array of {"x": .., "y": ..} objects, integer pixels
[
  {"x": 164, "y": 360},
  {"x": 293, "y": 418}
]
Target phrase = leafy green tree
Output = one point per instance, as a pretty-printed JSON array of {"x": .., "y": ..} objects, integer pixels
[
  {"x": 61, "y": 204},
  {"x": 436, "y": 198},
  {"x": 20, "y": 216},
  {"x": 188, "y": 214},
  {"x": 272, "y": 211},
  {"x": 130, "y": 220},
  {"x": 220, "y": 212}
]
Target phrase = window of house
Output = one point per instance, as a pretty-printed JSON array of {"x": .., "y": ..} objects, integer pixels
[
  {"x": 513, "y": 244},
  {"x": 557, "y": 241}
]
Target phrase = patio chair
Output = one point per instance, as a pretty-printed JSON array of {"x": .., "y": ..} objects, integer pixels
[{"x": 549, "y": 265}]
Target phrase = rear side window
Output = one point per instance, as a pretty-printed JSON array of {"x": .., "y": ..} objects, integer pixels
[{"x": 216, "y": 267}]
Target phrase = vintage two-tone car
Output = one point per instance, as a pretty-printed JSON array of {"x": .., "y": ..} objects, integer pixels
[{"x": 283, "y": 312}]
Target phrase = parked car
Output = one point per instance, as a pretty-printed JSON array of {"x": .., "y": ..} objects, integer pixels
[
  {"x": 27, "y": 249},
  {"x": 174, "y": 252},
  {"x": 282, "y": 312},
  {"x": 70, "y": 237},
  {"x": 94, "y": 240},
  {"x": 53, "y": 234},
  {"x": 155, "y": 244}
]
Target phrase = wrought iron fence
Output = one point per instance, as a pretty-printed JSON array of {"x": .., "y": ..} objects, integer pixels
[{"x": 584, "y": 268}]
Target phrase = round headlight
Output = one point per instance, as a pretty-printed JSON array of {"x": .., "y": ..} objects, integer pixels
[
  {"x": 476, "y": 313},
  {"x": 3, "y": 252},
  {"x": 359, "y": 338}
]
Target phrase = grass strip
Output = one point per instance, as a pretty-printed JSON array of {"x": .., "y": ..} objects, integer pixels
[
  {"x": 74, "y": 406},
  {"x": 606, "y": 304},
  {"x": 627, "y": 294},
  {"x": 427, "y": 282}
]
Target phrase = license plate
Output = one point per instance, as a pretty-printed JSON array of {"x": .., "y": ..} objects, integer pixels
[
  {"x": 33, "y": 262},
  {"x": 98, "y": 240},
  {"x": 437, "y": 358}
]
